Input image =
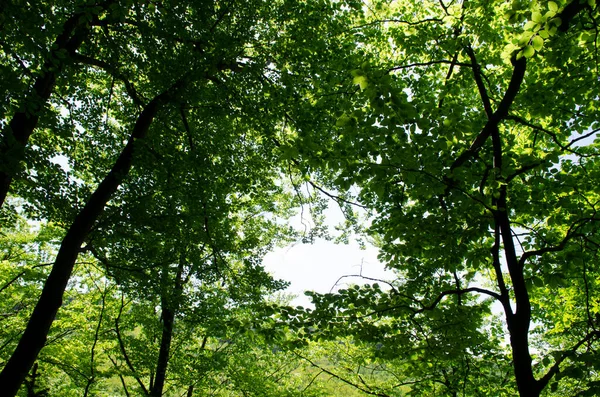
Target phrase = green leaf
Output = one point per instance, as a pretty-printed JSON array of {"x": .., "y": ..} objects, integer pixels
[
  {"x": 537, "y": 43},
  {"x": 361, "y": 81},
  {"x": 528, "y": 51}
]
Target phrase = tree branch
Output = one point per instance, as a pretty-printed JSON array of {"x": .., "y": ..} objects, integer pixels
[
  {"x": 459, "y": 292},
  {"x": 479, "y": 82},
  {"x": 500, "y": 114},
  {"x": 120, "y": 376},
  {"x": 355, "y": 385},
  {"x": 430, "y": 63},
  {"x": 87, "y": 60},
  {"x": 555, "y": 368},
  {"x": 571, "y": 233},
  {"x": 124, "y": 352},
  {"x": 569, "y": 12}
]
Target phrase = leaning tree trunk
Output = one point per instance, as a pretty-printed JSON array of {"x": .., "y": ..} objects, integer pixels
[
  {"x": 16, "y": 134},
  {"x": 36, "y": 332}
]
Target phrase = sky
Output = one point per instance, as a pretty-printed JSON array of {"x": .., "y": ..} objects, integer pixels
[{"x": 319, "y": 266}]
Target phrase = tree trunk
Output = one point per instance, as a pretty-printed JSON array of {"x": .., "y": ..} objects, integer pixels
[
  {"x": 169, "y": 307},
  {"x": 16, "y": 134},
  {"x": 36, "y": 332},
  {"x": 168, "y": 318}
]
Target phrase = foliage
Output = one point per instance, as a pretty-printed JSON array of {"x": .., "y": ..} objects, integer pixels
[
  {"x": 150, "y": 135},
  {"x": 152, "y": 152},
  {"x": 472, "y": 136}
]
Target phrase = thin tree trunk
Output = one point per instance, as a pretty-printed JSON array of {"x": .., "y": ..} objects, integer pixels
[
  {"x": 36, "y": 332},
  {"x": 169, "y": 307},
  {"x": 168, "y": 318},
  {"x": 190, "y": 391},
  {"x": 92, "y": 378}
]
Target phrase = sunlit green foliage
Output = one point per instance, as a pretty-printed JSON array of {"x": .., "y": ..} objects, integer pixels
[
  {"x": 471, "y": 134},
  {"x": 152, "y": 152}
]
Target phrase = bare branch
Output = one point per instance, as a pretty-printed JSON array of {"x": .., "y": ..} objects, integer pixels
[
  {"x": 355, "y": 385},
  {"x": 365, "y": 278}
]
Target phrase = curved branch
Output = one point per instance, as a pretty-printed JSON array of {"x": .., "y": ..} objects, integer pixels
[
  {"x": 399, "y": 21},
  {"x": 434, "y": 304},
  {"x": 90, "y": 61},
  {"x": 459, "y": 292},
  {"x": 124, "y": 352},
  {"x": 553, "y": 136},
  {"x": 571, "y": 233},
  {"x": 430, "y": 63},
  {"x": 555, "y": 368},
  {"x": 389, "y": 284}
]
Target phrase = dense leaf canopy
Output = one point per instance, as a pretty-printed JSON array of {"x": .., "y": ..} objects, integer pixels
[
  {"x": 153, "y": 151},
  {"x": 472, "y": 135}
]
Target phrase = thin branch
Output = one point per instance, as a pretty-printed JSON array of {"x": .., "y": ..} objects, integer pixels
[
  {"x": 555, "y": 368},
  {"x": 336, "y": 198},
  {"x": 92, "y": 376},
  {"x": 434, "y": 304},
  {"x": 357, "y": 386},
  {"x": 108, "y": 68},
  {"x": 22, "y": 273},
  {"x": 120, "y": 376},
  {"x": 312, "y": 380},
  {"x": 365, "y": 278},
  {"x": 591, "y": 133},
  {"x": 399, "y": 21},
  {"x": 430, "y": 63},
  {"x": 332, "y": 196},
  {"x": 459, "y": 292},
  {"x": 480, "y": 86},
  {"x": 505, "y": 299},
  {"x": 560, "y": 246},
  {"x": 124, "y": 352},
  {"x": 500, "y": 114},
  {"x": 566, "y": 148}
]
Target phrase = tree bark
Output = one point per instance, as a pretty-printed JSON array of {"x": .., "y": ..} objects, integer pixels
[{"x": 36, "y": 332}]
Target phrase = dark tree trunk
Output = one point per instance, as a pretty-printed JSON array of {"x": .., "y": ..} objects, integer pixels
[
  {"x": 190, "y": 391},
  {"x": 169, "y": 307},
  {"x": 168, "y": 318},
  {"x": 36, "y": 332},
  {"x": 16, "y": 134}
]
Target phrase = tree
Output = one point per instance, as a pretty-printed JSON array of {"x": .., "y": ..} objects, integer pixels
[
  {"x": 105, "y": 85},
  {"x": 472, "y": 136}
]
